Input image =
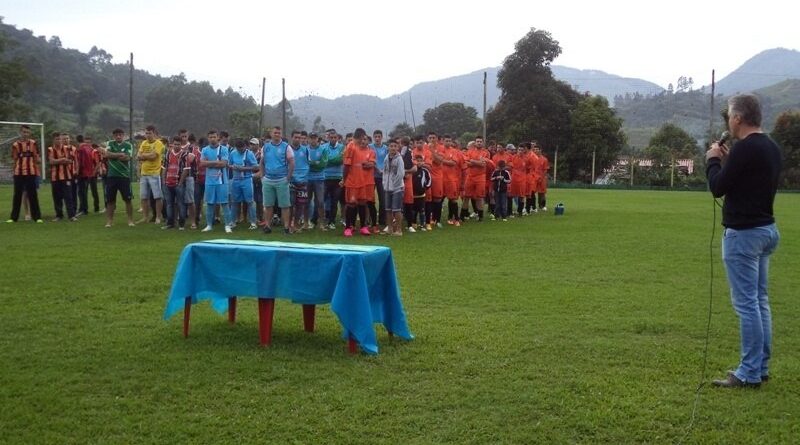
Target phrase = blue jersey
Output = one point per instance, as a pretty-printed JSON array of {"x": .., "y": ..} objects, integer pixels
[
  {"x": 243, "y": 159},
  {"x": 335, "y": 154},
  {"x": 380, "y": 156},
  {"x": 215, "y": 175},
  {"x": 301, "y": 165}
]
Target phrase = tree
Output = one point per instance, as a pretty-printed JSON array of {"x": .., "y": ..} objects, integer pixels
[
  {"x": 787, "y": 134},
  {"x": 81, "y": 101},
  {"x": 595, "y": 130},
  {"x": 12, "y": 78},
  {"x": 317, "y": 126},
  {"x": 108, "y": 120},
  {"x": 99, "y": 58},
  {"x": 402, "y": 130},
  {"x": 450, "y": 118},
  {"x": 676, "y": 140},
  {"x": 533, "y": 105}
]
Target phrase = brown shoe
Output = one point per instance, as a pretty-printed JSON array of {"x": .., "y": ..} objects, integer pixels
[
  {"x": 764, "y": 378},
  {"x": 733, "y": 382}
]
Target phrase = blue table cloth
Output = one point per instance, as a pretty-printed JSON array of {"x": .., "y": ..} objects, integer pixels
[{"x": 358, "y": 281}]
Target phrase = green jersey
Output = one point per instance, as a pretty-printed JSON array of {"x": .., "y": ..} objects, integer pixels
[{"x": 118, "y": 168}]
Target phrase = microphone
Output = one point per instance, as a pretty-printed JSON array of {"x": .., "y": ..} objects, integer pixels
[{"x": 725, "y": 137}]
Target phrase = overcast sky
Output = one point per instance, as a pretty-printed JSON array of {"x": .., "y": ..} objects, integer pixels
[{"x": 338, "y": 47}]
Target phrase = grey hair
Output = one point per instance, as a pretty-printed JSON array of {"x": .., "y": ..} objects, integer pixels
[{"x": 747, "y": 107}]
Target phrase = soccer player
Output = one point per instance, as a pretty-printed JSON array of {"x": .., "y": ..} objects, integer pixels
[
  {"x": 86, "y": 177},
  {"x": 393, "y": 178},
  {"x": 298, "y": 187},
  {"x": 378, "y": 216},
  {"x": 215, "y": 158},
  {"x": 317, "y": 161},
  {"x": 475, "y": 184},
  {"x": 358, "y": 181},
  {"x": 334, "y": 151},
  {"x": 151, "y": 151},
  {"x": 277, "y": 165},
  {"x": 25, "y": 155},
  {"x": 58, "y": 157},
  {"x": 118, "y": 154},
  {"x": 437, "y": 151},
  {"x": 542, "y": 166},
  {"x": 243, "y": 163},
  {"x": 452, "y": 167}
]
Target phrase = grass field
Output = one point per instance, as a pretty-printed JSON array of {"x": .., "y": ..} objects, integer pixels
[{"x": 586, "y": 328}]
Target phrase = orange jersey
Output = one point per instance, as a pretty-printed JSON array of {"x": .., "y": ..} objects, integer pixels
[
  {"x": 25, "y": 155},
  {"x": 505, "y": 156},
  {"x": 354, "y": 157},
  {"x": 436, "y": 167},
  {"x": 452, "y": 173},
  {"x": 427, "y": 157},
  {"x": 59, "y": 172},
  {"x": 474, "y": 172}
]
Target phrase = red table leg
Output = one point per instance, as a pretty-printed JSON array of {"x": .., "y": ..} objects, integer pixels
[
  {"x": 232, "y": 309},
  {"x": 187, "y": 308},
  {"x": 308, "y": 317},
  {"x": 266, "y": 308},
  {"x": 352, "y": 345}
]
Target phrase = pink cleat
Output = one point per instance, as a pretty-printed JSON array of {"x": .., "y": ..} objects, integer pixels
[
  {"x": 348, "y": 232},
  {"x": 365, "y": 231}
]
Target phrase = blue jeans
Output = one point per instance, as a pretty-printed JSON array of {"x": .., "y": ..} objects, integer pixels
[{"x": 746, "y": 256}]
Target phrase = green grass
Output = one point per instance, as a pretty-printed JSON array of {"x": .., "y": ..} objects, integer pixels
[{"x": 587, "y": 328}]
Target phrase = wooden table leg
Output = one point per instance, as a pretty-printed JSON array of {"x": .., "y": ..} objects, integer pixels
[
  {"x": 266, "y": 308},
  {"x": 187, "y": 309},
  {"x": 352, "y": 345},
  {"x": 308, "y": 317},
  {"x": 232, "y": 309}
]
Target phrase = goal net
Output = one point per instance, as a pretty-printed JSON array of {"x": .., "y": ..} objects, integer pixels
[{"x": 9, "y": 133}]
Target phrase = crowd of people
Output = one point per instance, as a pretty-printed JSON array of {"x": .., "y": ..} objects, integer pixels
[{"x": 299, "y": 183}]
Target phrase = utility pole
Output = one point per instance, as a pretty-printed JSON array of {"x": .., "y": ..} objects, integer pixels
[
  {"x": 261, "y": 114},
  {"x": 283, "y": 104},
  {"x": 594, "y": 150},
  {"x": 484, "y": 105}
]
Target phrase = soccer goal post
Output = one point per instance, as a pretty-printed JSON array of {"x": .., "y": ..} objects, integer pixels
[{"x": 9, "y": 133}]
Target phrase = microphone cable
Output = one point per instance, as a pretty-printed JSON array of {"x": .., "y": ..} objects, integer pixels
[{"x": 702, "y": 383}]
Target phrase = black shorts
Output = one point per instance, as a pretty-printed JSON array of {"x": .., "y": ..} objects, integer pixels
[{"x": 116, "y": 183}]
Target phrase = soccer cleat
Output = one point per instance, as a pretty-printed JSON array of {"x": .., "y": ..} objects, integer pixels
[
  {"x": 348, "y": 232},
  {"x": 207, "y": 229},
  {"x": 253, "y": 226},
  {"x": 228, "y": 229},
  {"x": 365, "y": 231},
  {"x": 411, "y": 229},
  {"x": 332, "y": 226}
]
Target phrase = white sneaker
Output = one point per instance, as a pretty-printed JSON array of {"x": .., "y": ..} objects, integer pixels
[
  {"x": 544, "y": 209},
  {"x": 491, "y": 216},
  {"x": 207, "y": 229},
  {"x": 535, "y": 211},
  {"x": 439, "y": 225},
  {"x": 253, "y": 226},
  {"x": 524, "y": 212},
  {"x": 411, "y": 230},
  {"x": 310, "y": 226},
  {"x": 473, "y": 215},
  {"x": 385, "y": 230},
  {"x": 228, "y": 229}
]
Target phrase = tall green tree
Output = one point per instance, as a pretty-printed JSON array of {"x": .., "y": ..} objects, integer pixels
[
  {"x": 676, "y": 140},
  {"x": 595, "y": 130},
  {"x": 12, "y": 78},
  {"x": 401, "y": 130},
  {"x": 787, "y": 134},
  {"x": 450, "y": 118},
  {"x": 533, "y": 105}
]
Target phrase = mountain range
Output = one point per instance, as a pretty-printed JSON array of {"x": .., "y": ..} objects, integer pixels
[
  {"x": 360, "y": 110},
  {"x": 765, "y": 69}
]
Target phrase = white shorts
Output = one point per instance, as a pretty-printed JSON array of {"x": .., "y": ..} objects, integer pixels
[{"x": 150, "y": 187}]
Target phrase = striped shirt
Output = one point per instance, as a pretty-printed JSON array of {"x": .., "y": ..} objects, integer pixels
[
  {"x": 26, "y": 158},
  {"x": 59, "y": 172}
]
